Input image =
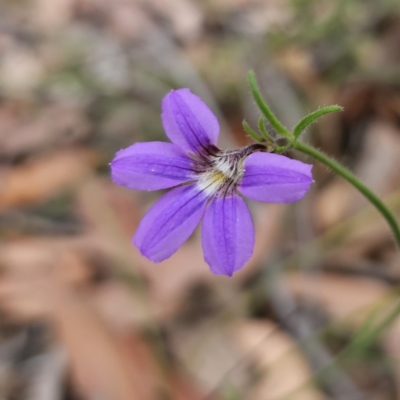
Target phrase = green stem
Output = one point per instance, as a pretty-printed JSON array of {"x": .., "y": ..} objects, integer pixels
[
  {"x": 268, "y": 114},
  {"x": 346, "y": 174},
  {"x": 251, "y": 132},
  {"x": 263, "y": 131}
]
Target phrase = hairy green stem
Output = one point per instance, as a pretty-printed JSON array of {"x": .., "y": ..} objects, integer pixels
[
  {"x": 262, "y": 105},
  {"x": 263, "y": 131},
  {"x": 311, "y": 151},
  {"x": 346, "y": 174},
  {"x": 251, "y": 132},
  {"x": 310, "y": 118}
]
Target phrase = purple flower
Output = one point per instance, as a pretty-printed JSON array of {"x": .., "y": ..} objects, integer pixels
[{"x": 208, "y": 182}]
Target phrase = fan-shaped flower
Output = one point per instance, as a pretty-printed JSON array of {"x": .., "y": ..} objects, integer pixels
[{"x": 207, "y": 183}]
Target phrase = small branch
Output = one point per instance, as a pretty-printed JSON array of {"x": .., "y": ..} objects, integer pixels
[
  {"x": 309, "y": 119},
  {"x": 353, "y": 180},
  {"x": 268, "y": 114}
]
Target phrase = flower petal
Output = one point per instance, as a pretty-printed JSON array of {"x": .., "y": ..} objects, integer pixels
[
  {"x": 274, "y": 178},
  {"x": 152, "y": 166},
  {"x": 170, "y": 222},
  {"x": 227, "y": 234},
  {"x": 188, "y": 122}
]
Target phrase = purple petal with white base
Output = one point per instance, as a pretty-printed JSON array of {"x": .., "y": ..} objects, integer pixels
[
  {"x": 274, "y": 178},
  {"x": 170, "y": 222},
  {"x": 188, "y": 122},
  {"x": 227, "y": 234},
  {"x": 152, "y": 166}
]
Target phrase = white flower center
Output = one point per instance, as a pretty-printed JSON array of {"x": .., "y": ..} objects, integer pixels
[{"x": 224, "y": 173}]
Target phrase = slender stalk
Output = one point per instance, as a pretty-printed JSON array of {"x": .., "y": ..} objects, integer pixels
[
  {"x": 251, "y": 132},
  {"x": 262, "y": 105},
  {"x": 263, "y": 131},
  {"x": 310, "y": 118},
  {"x": 346, "y": 174}
]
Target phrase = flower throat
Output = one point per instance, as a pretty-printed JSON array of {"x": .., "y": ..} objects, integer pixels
[{"x": 224, "y": 169}]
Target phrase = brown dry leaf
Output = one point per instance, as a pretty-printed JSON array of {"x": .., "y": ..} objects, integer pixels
[
  {"x": 51, "y": 15},
  {"x": 298, "y": 64},
  {"x": 54, "y": 126},
  {"x": 21, "y": 71},
  {"x": 27, "y": 259},
  {"x": 40, "y": 179},
  {"x": 100, "y": 364},
  {"x": 31, "y": 256},
  {"x": 365, "y": 99},
  {"x": 207, "y": 351},
  {"x": 182, "y": 388},
  {"x": 267, "y": 15},
  {"x": 380, "y": 164},
  {"x": 333, "y": 203},
  {"x": 343, "y": 297},
  {"x": 125, "y": 19},
  {"x": 256, "y": 16},
  {"x": 143, "y": 366},
  {"x": 36, "y": 284},
  {"x": 10, "y": 112},
  {"x": 120, "y": 306},
  {"x": 367, "y": 250},
  {"x": 109, "y": 208},
  {"x": 185, "y": 17},
  {"x": 229, "y": 4},
  {"x": 129, "y": 20},
  {"x": 22, "y": 251},
  {"x": 283, "y": 368},
  {"x": 29, "y": 268},
  {"x": 171, "y": 382},
  {"x": 118, "y": 366}
]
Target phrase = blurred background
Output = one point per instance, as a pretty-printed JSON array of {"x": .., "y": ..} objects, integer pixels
[{"x": 83, "y": 315}]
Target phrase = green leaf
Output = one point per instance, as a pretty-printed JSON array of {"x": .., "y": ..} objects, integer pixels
[
  {"x": 252, "y": 133},
  {"x": 263, "y": 131},
  {"x": 266, "y": 111},
  {"x": 310, "y": 118}
]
